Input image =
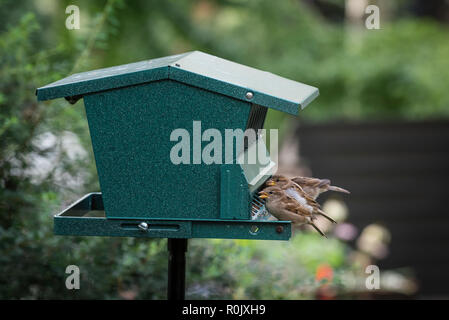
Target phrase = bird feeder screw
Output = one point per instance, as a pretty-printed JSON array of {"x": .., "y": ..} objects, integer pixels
[
  {"x": 249, "y": 95},
  {"x": 143, "y": 226},
  {"x": 279, "y": 229}
]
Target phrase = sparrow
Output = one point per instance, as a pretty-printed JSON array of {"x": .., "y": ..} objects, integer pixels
[
  {"x": 304, "y": 200},
  {"x": 285, "y": 208},
  {"x": 312, "y": 186}
]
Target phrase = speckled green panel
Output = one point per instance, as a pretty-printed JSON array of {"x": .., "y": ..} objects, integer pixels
[
  {"x": 240, "y": 229},
  {"x": 64, "y": 88},
  {"x": 130, "y": 130},
  {"x": 235, "y": 199},
  {"x": 219, "y": 74},
  {"x": 224, "y": 229},
  {"x": 232, "y": 90},
  {"x": 109, "y": 78},
  {"x": 194, "y": 68},
  {"x": 98, "y": 226}
]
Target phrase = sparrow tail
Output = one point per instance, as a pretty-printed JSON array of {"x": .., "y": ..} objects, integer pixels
[
  {"x": 321, "y": 212},
  {"x": 338, "y": 189},
  {"x": 318, "y": 229}
]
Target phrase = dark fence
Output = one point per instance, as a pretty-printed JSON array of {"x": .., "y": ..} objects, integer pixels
[{"x": 398, "y": 174}]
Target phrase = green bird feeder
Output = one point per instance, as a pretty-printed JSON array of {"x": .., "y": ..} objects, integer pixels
[{"x": 133, "y": 111}]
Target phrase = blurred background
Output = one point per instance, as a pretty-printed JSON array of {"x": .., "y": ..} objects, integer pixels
[{"x": 379, "y": 128}]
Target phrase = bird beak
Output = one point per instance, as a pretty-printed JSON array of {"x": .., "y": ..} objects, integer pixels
[
  {"x": 263, "y": 195},
  {"x": 271, "y": 183}
]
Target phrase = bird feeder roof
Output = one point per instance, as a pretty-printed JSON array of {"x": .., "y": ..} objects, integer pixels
[{"x": 197, "y": 69}]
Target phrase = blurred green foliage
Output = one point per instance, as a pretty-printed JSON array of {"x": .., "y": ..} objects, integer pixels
[{"x": 395, "y": 72}]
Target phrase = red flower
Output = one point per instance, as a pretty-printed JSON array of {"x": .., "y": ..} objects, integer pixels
[{"x": 324, "y": 272}]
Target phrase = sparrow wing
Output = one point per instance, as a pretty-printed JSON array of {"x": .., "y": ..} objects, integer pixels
[
  {"x": 286, "y": 209},
  {"x": 312, "y": 186},
  {"x": 301, "y": 194},
  {"x": 311, "y": 182},
  {"x": 304, "y": 199},
  {"x": 306, "y": 217}
]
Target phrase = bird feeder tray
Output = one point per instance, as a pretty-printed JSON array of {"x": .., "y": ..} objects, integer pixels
[
  {"x": 86, "y": 217},
  {"x": 133, "y": 109}
]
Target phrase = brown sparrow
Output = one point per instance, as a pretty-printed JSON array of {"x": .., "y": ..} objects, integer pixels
[
  {"x": 312, "y": 186},
  {"x": 293, "y": 190},
  {"x": 286, "y": 208}
]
